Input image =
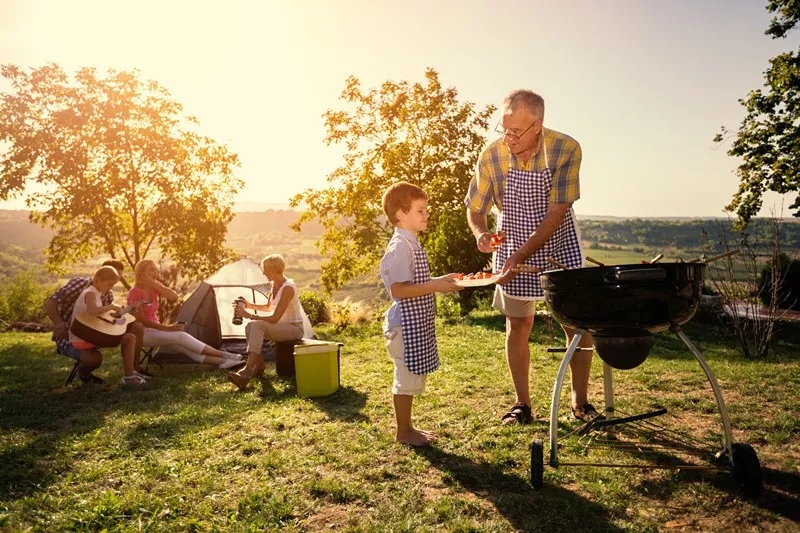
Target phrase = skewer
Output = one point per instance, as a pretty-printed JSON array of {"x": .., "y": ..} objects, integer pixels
[
  {"x": 595, "y": 261},
  {"x": 714, "y": 258},
  {"x": 556, "y": 263},
  {"x": 526, "y": 268},
  {"x": 720, "y": 256}
]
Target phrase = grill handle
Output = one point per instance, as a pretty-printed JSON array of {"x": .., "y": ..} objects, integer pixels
[{"x": 637, "y": 274}]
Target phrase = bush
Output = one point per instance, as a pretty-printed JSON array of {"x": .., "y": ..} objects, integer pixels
[
  {"x": 789, "y": 288},
  {"x": 348, "y": 313},
  {"x": 316, "y": 307},
  {"x": 22, "y": 298}
]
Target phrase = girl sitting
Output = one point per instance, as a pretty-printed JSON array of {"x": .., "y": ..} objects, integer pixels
[
  {"x": 148, "y": 289},
  {"x": 90, "y": 302}
]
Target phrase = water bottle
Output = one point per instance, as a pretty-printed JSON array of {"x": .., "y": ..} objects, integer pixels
[{"x": 237, "y": 320}]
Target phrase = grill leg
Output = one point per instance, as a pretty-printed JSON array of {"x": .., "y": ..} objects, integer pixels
[
  {"x": 723, "y": 411},
  {"x": 573, "y": 346}
]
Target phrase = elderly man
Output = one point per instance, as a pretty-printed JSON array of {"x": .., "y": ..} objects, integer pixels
[
  {"x": 59, "y": 308},
  {"x": 530, "y": 176}
]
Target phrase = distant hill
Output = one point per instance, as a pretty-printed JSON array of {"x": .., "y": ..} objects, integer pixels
[
  {"x": 260, "y": 232},
  {"x": 240, "y": 207}
]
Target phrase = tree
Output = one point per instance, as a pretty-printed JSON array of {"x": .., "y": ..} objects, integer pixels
[
  {"x": 419, "y": 133},
  {"x": 768, "y": 139},
  {"x": 121, "y": 170}
]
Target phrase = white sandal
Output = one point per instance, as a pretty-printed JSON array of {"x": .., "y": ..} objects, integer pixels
[{"x": 133, "y": 379}]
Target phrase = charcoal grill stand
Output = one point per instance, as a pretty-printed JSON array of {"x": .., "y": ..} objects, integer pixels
[{"x": 739, "y": 458}]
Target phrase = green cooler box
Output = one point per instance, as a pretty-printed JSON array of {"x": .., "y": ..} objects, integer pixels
[{"x": 317, "y": 368}]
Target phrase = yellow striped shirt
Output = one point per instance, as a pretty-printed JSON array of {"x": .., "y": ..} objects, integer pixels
[{"x": 563, "y": 157}]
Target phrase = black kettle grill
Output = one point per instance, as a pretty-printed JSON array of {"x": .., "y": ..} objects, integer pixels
[{"x": 622, "y": 306}]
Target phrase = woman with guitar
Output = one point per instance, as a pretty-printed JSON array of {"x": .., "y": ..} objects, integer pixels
[
  {"x": 147, "y": 289},
  {"x": 89, "y": 316}
]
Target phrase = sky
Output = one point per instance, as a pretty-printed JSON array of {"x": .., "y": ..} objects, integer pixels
[{"x": 643, "y": 85}]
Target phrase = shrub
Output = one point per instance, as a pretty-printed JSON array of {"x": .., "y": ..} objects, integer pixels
[
  {"x": 347, "y": 313},
  {"x": 22, "y": 298},
  {"x": 316, "y": 307},
  {"x": 788, "y": 294}
]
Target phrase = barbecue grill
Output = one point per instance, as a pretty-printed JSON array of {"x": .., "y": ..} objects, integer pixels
[{"x": 622, "y": 306}]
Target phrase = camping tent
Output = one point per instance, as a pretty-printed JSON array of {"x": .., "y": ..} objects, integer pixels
[{"x": 208, "y": 312}]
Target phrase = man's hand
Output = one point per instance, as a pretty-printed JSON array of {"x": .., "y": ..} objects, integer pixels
[
  {"x": 508, "y": 273},
  {"x": 484, "y": 241},
  {"x": 60, "y": 330}
]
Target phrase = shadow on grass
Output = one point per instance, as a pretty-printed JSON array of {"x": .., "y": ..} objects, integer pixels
[
  {"x": 549, "y": 509},
  {"x": 781, "y": 489},
  {"x": 344, "y": 404},
  {"x": 46, "y": 418}
]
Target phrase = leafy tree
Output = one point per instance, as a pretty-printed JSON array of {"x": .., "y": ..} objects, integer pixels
[
  {"x": 768, "y": 139},
  {"x": 419, "y": 133},
  {"x": 120, "y": 170}
]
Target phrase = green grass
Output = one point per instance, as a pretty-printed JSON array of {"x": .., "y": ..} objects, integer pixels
[{"x": 187, "y": 453}]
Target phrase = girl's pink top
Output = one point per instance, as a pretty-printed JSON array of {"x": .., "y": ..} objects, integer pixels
[{"x": 136, "y": 294}]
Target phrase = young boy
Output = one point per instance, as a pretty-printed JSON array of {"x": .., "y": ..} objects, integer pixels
[{"x": 409, "y": 326}]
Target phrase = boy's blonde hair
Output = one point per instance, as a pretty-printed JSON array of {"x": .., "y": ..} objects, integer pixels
[
  {"x": 399, "y": 197},
  {"x": 139, "y": 268},
  {"x": 275, "y": 262},
  {"x": 105, "y": 273}
]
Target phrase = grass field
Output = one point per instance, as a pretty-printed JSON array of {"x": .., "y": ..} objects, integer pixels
[{"x": 188, "y": 453}]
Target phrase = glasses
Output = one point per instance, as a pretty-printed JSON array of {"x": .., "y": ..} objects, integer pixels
[{"x": 505, "y": 133}]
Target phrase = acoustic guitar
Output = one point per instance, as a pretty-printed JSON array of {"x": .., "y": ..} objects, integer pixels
[{"x": 104, "y": 331}]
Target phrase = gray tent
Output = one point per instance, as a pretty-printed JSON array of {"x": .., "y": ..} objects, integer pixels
[{"x": 208, "y": 312}]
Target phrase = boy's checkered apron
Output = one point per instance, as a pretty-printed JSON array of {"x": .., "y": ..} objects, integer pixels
[
  {"x": 419, "y": 322},
  {"x": 525, "y": 204}
]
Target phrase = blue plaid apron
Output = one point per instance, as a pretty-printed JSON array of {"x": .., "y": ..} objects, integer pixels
[
  {"x": 525, "y": 203},
  {"x": 419, "y": 322}
]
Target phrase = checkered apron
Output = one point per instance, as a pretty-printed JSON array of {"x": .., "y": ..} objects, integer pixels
[
  {"x": 419, "y": 322},
  {"x": 525, "y": 204}
]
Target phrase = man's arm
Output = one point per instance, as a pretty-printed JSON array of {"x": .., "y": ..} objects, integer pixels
[
  {"x": 51, "y": 308},
  {"x": 478, "y": 223},
  {"x": 552, "y": 220}
]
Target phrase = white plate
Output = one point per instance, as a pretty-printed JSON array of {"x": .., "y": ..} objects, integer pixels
[{"x": 477, "y": 282}]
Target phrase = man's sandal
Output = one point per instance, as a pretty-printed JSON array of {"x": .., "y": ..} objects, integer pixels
[
  {"x": 586, "y": 413},
  {"x": 519, "y": 413}
]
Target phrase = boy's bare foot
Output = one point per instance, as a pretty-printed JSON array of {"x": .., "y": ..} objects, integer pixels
[{"x": 415, "y": 438}]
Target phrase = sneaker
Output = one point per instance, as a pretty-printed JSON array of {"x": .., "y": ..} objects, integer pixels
[
  {"x": 230, "y": 363},
  {"x": 133, "y": 379},
  {"x": 231, "y": 355},
  {"x": 91, "y": 378}
]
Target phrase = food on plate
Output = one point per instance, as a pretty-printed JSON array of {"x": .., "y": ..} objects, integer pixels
[
  {"x": 474, "y": 275},
  {"x": 498, "y": 238}
]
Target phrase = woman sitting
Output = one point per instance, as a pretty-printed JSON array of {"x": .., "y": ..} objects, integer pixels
[
  {"x": 148, "y": 289},
  {"x": 283, "y": 321}
]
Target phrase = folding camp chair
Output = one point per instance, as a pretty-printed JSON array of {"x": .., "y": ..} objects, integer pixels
[
  {"x": 148, "y": 354},
  {"x": 73, "y": 372}
]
